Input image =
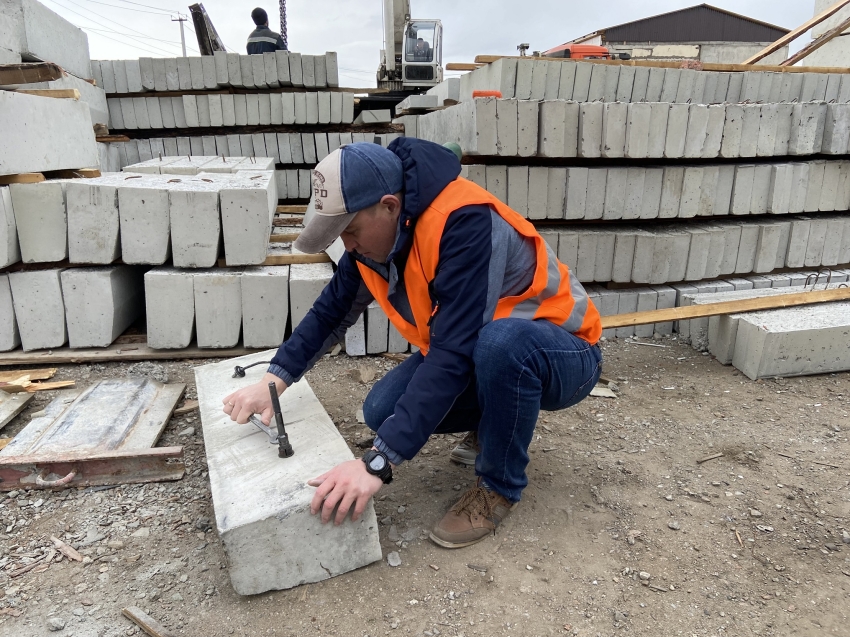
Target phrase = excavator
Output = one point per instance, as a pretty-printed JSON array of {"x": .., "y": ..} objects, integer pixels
[{"x": 412, "y": 61}]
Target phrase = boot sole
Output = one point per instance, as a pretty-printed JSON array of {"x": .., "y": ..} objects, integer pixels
[{"x": 456, "y": 545}]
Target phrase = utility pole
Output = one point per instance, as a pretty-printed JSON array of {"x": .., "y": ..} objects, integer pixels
[
  {"x": 181, "y": 19},
  {"x": 283, "y": 23}
]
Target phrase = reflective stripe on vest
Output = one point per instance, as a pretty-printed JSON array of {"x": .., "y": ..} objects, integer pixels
[
  {"x": 554, "y": 294},
  {"x": 262, "y": 39}
]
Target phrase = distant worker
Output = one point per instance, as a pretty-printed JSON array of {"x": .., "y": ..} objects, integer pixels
[
  {"x": 422, "y": 51},
  {"x": 262, "y": 39}
]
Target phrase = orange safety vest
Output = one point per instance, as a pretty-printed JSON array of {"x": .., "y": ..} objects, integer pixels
[{"x": 555, "y": 293}]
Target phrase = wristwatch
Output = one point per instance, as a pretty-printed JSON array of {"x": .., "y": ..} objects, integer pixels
[{"x": 378, "y": 464}]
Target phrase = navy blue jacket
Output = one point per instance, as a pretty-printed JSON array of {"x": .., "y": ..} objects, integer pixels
[
  {"x": 464, "y": 286},
  {"x": 264, "y": 40}
]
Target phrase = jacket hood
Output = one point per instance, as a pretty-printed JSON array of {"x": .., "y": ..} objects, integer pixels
[{"x": 428, "y": 169}]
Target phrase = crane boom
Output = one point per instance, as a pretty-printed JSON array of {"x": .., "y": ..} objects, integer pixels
[{"x": 396, "y": 14}]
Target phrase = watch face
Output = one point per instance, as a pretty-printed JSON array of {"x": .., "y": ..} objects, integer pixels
[{"x": 377, "y": 463}]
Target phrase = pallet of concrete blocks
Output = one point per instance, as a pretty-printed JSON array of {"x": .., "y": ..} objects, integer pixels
[
  {"x": 698, "y": 251},
  {"x": 226, "y": 110},
  {"x": 587, "y": 81},
  {"x": 269, "y": 70},
  {"x": 194, "y": 165},
  {"x": 84, "y": 307}
]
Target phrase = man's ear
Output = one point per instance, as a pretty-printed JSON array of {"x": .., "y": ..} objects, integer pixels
[{"x": 392, "y": 203}]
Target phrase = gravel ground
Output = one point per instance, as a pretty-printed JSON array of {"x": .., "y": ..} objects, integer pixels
[{"x": 621, "y": 531}]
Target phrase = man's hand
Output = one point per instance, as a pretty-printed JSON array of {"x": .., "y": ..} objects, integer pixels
[
  {"x": 346, "y": 484},
  {"x": 254, "y": 399}
]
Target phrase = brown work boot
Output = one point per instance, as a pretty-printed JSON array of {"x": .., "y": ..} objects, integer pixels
[
  {"x": 466, "y": 452},
  {"x": 475, "y": 516}
]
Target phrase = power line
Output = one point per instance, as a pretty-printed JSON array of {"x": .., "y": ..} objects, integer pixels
[
  {"x": 126, "y": 35},
  {"x": 115, "y": 6},
  {"x": 132, "y": 46}
]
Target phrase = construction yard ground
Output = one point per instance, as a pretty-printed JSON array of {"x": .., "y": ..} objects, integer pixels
[{"x": 620, "y": 532}]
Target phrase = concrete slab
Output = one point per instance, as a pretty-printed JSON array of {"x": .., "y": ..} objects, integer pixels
[
  {"x": 143, "y": 207},
  {"x": 10, "y": 251},
  {"x": 101, "y": 303},
  {"x": 527, "y": 128},
  {"x": 10, "y": 337},
  {"x": 41, "y": 134},
  {"x": 581, "y": 87},
  {"x": 42, "y": 224},
  {"x": 597, "y": 187},
  {"x": 658, "y": 121},
  {"x": 807, "y": 128},
  {"x": 576, "y": 193},
  {"x": 624, "y": 253},
  {"x": 671, "y": 192},
  {"x": 637, "y": 131},
  {"x": 218, "y": 307},
  {"x": 265, "y": 305},
  {"x": 747, "y": 249},
  {"x": 247, "y": 209},
  {"x": 39, "y": 308},
  {"x": 377, "y": 329},
  {"x": 697, "y": 130},
  {"x": 614, "y": 124},
  {"x": 742, "y": 192},
  {"x": 793, "y": 341},
  {"x": 93, "y": 220},
  {"x": 253, "y": 530},
  {"x": 751, "y": 122},
  {"x": 195, "y": 223},
  {"x": 590, "y": 130},
  {"x": 306, "y": 282},
  {"x": 635, "y": 185},
  {"x": 615, "y": 193},
  {"x": 836, "y": 134},
  {"x": 677, "y": 128},
  {"x": 518, "y": 189}
]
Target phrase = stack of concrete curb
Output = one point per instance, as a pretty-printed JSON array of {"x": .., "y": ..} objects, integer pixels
[{"x": 539, "y": 80}]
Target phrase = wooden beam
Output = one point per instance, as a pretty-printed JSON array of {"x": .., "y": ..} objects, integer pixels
[
  {"x": 281, "y": 223},
  {"x": 80, "y": 173},
  {"x": 29, "y": 73},
  {"x": 726, "y": 307},
  {"x": 706, "y": 66},
  {"x": 105, "y": 139},
  {"x": 289, "y": 259},
  {"x": 292, "y": 210},
  {"x": 33, "y": 374},
  {"x": 800, "y": 30},
  {"x": 115, "y": 352},
  {"x": 59, "y": 93},
  {"x": 284, "y": 238},
  {"x": 145, "y": 622},
  {"x": 814, "y": 45},
  {"x": 462, "y": 66},
  {"x": 21, "y": 178}
]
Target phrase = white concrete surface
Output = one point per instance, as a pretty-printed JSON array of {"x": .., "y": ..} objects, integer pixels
[
  {"x": 170, "y": 308},
  {"x": 10, "y": 251},
  {"x": 41, "y": 220},
  {"x": 195, "y": 223},
  {"x": 306, "y": 282},
  {"x": 10, "y": 337},
  {"x": 271, "y": 540},
  {"x": 265, "y": 305},
  {"x": 39, "y": 308},
  {"x": 100, "y": 303},
  {"x": 143, "y": 211},
  {"x": 247, "y": 209},
  {"x": 218, "y": 307}
]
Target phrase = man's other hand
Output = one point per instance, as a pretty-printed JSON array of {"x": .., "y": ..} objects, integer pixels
[
  {"x": 345, "y": 485},
  {"x": 254, "y": 399}
]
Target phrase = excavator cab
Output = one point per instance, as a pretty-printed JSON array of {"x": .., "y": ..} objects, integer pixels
[{"x": 422, "y": 64}]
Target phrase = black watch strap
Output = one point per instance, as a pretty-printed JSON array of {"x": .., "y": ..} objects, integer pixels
[{"x": 386, "y": 473}]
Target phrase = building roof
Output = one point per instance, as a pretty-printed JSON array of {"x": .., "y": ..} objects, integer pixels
[{"x": 700, "y": 23}]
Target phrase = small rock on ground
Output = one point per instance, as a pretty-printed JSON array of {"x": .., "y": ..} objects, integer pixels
[
  {"x": 394, "y": 559},
  {"x": 55, "y": 624}
]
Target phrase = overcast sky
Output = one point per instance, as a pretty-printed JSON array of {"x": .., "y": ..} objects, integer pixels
[{"x": 122, "y": 29}]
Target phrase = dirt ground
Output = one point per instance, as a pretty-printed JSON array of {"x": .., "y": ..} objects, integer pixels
[{"x": 620, "y": 532}]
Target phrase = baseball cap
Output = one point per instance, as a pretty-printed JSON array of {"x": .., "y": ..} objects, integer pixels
[{"x": 350, "y": 179}]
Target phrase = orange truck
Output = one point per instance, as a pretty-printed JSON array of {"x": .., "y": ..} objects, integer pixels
[{"x": 583, "y": 52}]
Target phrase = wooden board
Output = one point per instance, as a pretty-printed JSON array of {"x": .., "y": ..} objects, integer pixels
[
  {"x": 33, "y": 374},
  {"x": 145, "y": 622},
  {"x": 292, "y": 210},
  {"x": 706, "y": 66},
  {"x": 289, "y": 259},
  {"x": 284, "y": 238},
  {"x": 58, "y": 93},
  {"x": 813, "y": 46},
  {"x": 22, "y": 178},
  {"x": 34, "y": 178},
  {"x": 11, "y": 405},
  {"x": 29, "y": 73},
  {"x": 115, "y": 352},
  {"x": 726, "y": 307},
  {"x": 106, "y": 139},
  {"x": 796, "y": 33},
  {"x": 462, "y": 66},
  {"x": 78, "y": 173}
]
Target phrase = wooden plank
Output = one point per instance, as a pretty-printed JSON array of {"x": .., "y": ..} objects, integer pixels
[
  {"x": 284, "y": 238},
  {"x": 816, "y": 44},
  {"x": 58, "y": 93},
  {"x": 292, "y": 210},
  {"x": 11, "y": 406},
  {"x": 289, "y": 259},
  {"x": 106, "y": 139},
  {"x": 145, "y": 622},
  {"x": 22, "y": 178},
  {"x": 33, "y": 374},
  {"x": 795, "y": 33},
  {"x": 187, "y": 407},
  {"x": 462, "y": 66},
  {"x": 706, "y": 66},
  {"x": 115, "y": 467},
  {"x": 726, "y": 307},
  {"x": 66, "y": 355},
  {"x": 29, "y": 73},
  {"x": 286, "y": 223},
  {"x": 25, "y": 385}
]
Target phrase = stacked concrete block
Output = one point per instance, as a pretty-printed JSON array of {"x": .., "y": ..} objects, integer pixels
[
  {"x": 218, "y": 307},
  {"x": 93, "y": 96},
  {"x": 306, "y": 282},
  {"x": 247, "y": 208},
  {"x": 100, "y": 303},
  {"x": 144, "y": 216},
  {"x": 10, "y": 251},
  {"x": 265, "y": 305},
  {"x": 93, "y": 220},
  {"x": 39, "y": 308},
  {"x": 41, "y": 134},
  {"x": 793, "y": 341},
  {"x": 195, "y": 223},
  {"x": 10, "y": 337},
  {"x": 271, "y": 70},
  {"x": 33, "y": 32},
  {"x": 170, "y": 308}
]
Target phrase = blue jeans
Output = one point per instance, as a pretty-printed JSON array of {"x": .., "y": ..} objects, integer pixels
[{"x": 521, "y": 367}]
